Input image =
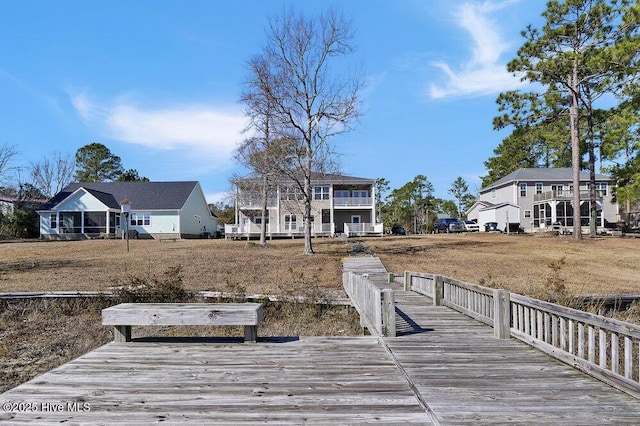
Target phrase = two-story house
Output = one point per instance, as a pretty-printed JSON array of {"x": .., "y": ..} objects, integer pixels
[
  {"x": 538, "y": 198},
  {"x": 340, "y": 205}
]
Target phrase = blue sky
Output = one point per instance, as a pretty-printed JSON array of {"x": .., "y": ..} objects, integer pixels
[{"x": 158, "y": 83}]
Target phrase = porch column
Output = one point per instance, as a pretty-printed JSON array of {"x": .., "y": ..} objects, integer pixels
[
  {"x": 331, "y": 207},
  {"x": 82, "y": 222},
  {"x": 107, "y": 222},
  {"x": 554, "y": 211},
  {"x": 373, "y": 207}
]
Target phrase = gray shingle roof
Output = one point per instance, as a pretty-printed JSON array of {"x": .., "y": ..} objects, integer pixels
[
  {"x": 143, "y": 195},
  {"x": 542, "y": 175}
]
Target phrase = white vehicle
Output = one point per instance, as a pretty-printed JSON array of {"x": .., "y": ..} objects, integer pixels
[{"x": 471, "y": 226}]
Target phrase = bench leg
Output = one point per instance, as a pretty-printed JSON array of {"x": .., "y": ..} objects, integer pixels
[
  {"x": 250, "y": 333},
  {"x": 121, "y": 333}
]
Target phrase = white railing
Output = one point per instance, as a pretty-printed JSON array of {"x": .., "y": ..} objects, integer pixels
[
  {"x": 601, "y": 347},
  {"x": 564, "y": 194},
  {"x": 376, "y": 306},
  {"x": 248, "y": 202},
  {"x": 252, "y": 228},
  {"x": 351, "y": 229},
  {"x": 353, "y": 201}
]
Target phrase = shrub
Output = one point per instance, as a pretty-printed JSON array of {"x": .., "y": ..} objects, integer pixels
[{"x": 167, "y": 288}]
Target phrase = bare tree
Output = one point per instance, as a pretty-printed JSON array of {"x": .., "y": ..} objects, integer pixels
[
  {"x": 256, "y": 152},
  {"x": 7, "y": 153},
  {"x": 53, "y": 173},
  {"x": 310, "y": 105}
]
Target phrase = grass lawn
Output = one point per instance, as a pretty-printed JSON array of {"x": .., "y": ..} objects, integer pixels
[{"x": 520, "y": 263}]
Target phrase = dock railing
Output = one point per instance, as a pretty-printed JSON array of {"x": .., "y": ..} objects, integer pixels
[
  {"x": 601, "y": 347},
  {"x": 376, "y": 306}
]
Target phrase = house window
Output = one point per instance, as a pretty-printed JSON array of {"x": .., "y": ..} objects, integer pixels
[
  {"x": 140, "y": 219},
  {"x": 320, "y": 192},
  {"x": 258, "y": 220},
  {"x": 342, "y": 194},
  {"x": 527, "y": 214},
  {"x": 360, "y": 194},
  {"x": 290, "y": 222},
  {"x": 538, "y": 188},
  {"x": 523, "y": 189},
  {"x": 602, "y": 187},
  {"x": 356, "y": 219},
  {"x": 54, "y": 220},
  {"x": 291, "y": 193},
  {"x": 493, "y": 193}
]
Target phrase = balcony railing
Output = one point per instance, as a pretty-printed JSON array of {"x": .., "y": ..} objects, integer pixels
[
  {"x": 253, "y": 229},
  {"x": 246, "y": 203},
  {"x": 564, "y": 195},
  {"x": 353, "y": 201}
]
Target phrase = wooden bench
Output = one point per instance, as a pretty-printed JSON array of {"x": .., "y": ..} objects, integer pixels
[{"x": 125, "y": 315}]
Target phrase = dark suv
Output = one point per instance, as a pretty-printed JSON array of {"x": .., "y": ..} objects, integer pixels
[{"x": 449, "y": 224}]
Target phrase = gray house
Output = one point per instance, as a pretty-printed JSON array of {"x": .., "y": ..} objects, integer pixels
[
  {"x": 157, "y": 210},
  {"x": 340, "y": 205},
  {"x": 538, "y": 198}
]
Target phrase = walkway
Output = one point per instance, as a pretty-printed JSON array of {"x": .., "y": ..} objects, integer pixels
[{"x": 466, "y": 376}]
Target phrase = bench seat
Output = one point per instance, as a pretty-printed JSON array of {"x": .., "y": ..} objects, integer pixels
[{"x": 125, "y": 315}]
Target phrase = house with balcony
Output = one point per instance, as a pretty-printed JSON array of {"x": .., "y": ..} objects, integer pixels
[
  {"x": 341, "y": 205},
  {"x": 541, "y": 198}
]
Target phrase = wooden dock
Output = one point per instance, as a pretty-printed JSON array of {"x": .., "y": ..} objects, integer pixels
[
  {"x": 442, "y": 368},
  {"x": 464, "y": 375}
]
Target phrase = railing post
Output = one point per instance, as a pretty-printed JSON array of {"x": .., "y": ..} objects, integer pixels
[
  {"x": 501, "y": 314},
  {"x": 388, "y": 313},
  {"x": 438, "y": 290},
  {"x": 407, "y": 281}
]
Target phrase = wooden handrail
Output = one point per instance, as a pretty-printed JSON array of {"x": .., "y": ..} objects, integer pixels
[
  {"x": 376, "y": 306},
  {"x": 604, "y": 348}
]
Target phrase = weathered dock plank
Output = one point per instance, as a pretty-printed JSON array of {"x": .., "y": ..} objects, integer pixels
[{"x": 312, "y": 380}]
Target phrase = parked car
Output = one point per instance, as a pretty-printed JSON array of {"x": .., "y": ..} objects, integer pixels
[
  {"x": 471, "y": 226},
  {"x": 398, "y": 230},
  {"x": 491, "y": 227},
  {"x": 449, "y": 224}
]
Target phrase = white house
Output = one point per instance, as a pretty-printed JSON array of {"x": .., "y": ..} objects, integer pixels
[
  {"x": 157, "y": 210},
  {"x": 340, "y": 205},
  {"x": 537, "y": 198}
]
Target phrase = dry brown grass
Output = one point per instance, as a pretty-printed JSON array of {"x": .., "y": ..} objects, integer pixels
[
  {"x": 599, "y": 266},
  {"x": 519, "y": 263},
  {"x": 206, "y": 264}
]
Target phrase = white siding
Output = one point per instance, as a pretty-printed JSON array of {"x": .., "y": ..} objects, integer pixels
[
  {"x": 195, "y": 216},
  {"x": 162, "y": 222},
  {"x": 82, "y": 201}
]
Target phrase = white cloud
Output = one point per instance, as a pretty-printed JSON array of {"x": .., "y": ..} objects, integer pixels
[
  {"x": 215, "y": 197},
  {"x": 197, "y": 131},
  {"x": 484, "y": 73}
]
